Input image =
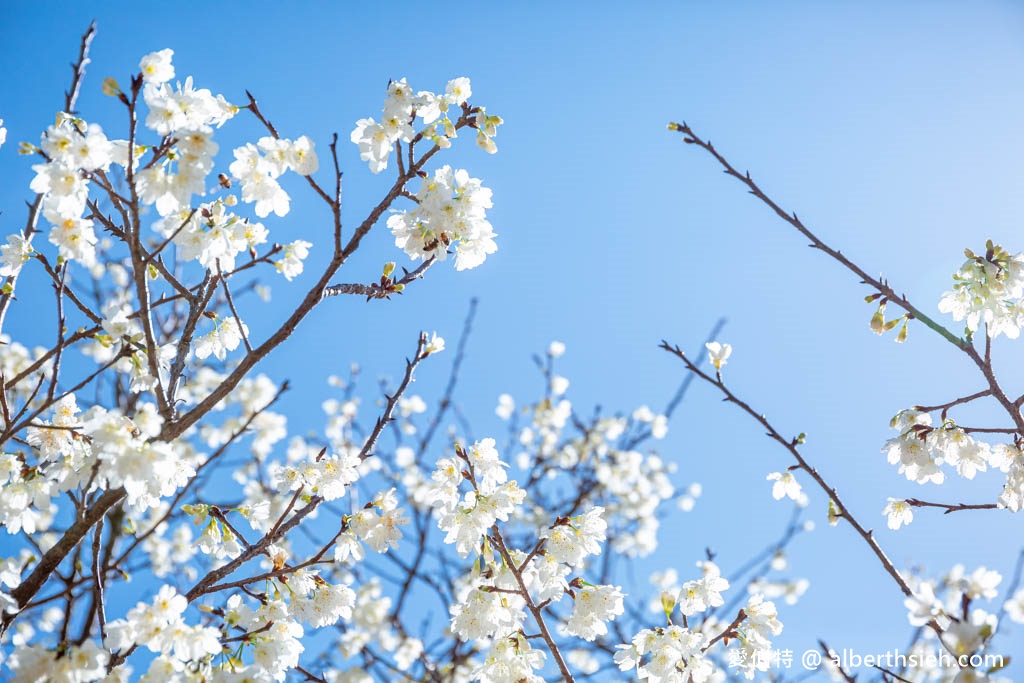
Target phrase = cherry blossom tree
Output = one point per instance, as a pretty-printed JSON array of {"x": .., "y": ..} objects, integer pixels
[{"x": 161, "y": 523}]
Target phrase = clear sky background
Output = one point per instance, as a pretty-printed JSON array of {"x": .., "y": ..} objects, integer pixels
[{"x": 892, "y": 128}]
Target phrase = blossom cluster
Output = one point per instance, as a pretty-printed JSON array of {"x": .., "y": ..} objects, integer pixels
[
  {"x": 675, "y": 654},
  {"x": 403, "y": 106},
  {"x": 951, "y": 603},
  {"x": 101, "y": 447},
  {"x": 504, "y": 582},
  {"x": 451, "y": 208},
  {"x": 633, "y": 483},
  {"x": 73, "y": 149},
  {"x": 467, "y": 518},
  {"x": 921, "y": 451},
  {"x": 258, "y": 166},
  {"x": 160, "y": 626},
  {"x": 988, "y": 289}
]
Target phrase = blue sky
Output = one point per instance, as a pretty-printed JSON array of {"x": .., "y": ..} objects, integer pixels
[{"x": 892, "y": 128}]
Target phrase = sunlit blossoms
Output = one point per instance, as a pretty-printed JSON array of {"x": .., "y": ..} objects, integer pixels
[
  {"x": 294, "y": 254},
  {"x": 156, "y": 67},
  {"x": 467, "y": 518},
  {"x": 511, "y": 659},
  {"x": 450, "y": 205},
  {"x": 87, "y": 662},
  {"x": 146, "y": 460},
  {"x": 160, "y": 626},
  {"x": 73, "y": 149},
  {"x": 451, "y": 210},
  {"x": 14, "y": 254},
  {"x": 159, "y": 258},
  {"x": 898, "y": 512},
  {"x": 257, "y": 167},
  {"x": 785, "y": 486},
  {"x": 921, "y": 451},
  {"x": 676, "y": 654},
  {"x": 718, "y": 353},
  {"x": 226, "y": 335},
  {"x": 593, "y": 607},
  {"x": 704, "y": 593},
  {"x": 573, "y": 539},
  {"x": 987, "y": 289},
  {"x": 403, "y": 107},
  {"x": 213, "y": 235}
]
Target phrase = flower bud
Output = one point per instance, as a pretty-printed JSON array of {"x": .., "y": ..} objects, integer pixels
[
  {"x": 110, "y": 88},
  {"x": 902, "y": 336},
  {"x": 668, "y": 603},
  {"x": 833, "y": 513},
  {"x": 877, "y": 323}
]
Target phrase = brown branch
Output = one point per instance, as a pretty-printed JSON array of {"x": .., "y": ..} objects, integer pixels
[
  {"x": 140, "y": 271},
  {"x": 538, "y": 616},
  {"x": 78, "y": 68},
  {"x": 791, "y": 446},
  {"x": 27, "y": 589},
  {"x": 879, "y": 285},
  {"x": 729, "y": 632},
  {"x": 392, "y": 401},
  {"x": 99, "y": 600},
  {"x": 944, "y": 407},
  {"x": 234, "y": 312},
  {"x": 443, "y": 405},
  {"x": 210, "y": 582},
  {"x": 453, "y": 379},
  {"x": 211, "y": 579},
  {"x": 385, "y": 288},
  {"x": 950, "y": 507}
]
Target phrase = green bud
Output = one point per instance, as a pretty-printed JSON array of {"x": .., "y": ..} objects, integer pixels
[
  {"x": 833, "y": 513},
  {"x": 389, "y": 268},
  {"x": 110, "y": 88},
  {"x": 668, "y": 604},
  {"x": 877, "y": 323},
  {"x": 198, "y": 511}
]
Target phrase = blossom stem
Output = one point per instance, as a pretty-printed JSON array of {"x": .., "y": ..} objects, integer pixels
[
  {"x": 538, "y": 616},
  {"x": 790, "y": 445},
  {"x": 880, "y": 285},
  {"x": 951, "y": 507}
]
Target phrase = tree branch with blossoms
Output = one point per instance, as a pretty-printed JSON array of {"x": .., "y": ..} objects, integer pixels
[
  {"x": 987, "y": 293},
  {"x": 988, "y": 289}
]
